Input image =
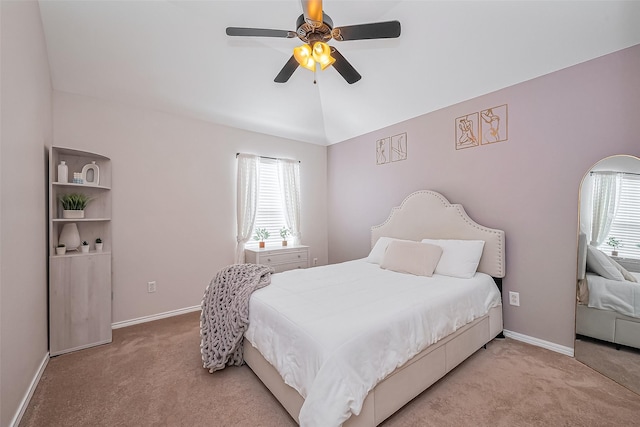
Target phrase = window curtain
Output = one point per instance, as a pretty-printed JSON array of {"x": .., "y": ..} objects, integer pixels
[
  {"x": 289, "y": 179},
  {"x": 606, "y": 193},
  {"x": 247, "y": 202}
]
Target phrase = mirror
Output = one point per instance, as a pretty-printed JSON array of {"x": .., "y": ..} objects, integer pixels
[{"x": 608, "y": 300}]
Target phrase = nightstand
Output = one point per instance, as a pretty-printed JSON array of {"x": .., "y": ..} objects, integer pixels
[{"x": 280, "y": 258}]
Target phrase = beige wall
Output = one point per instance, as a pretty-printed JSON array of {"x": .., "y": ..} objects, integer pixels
[
  {"x": 26, "y": 131},
  {"x": 174, "y": 206},
  {"x": 559, "y": 126}
]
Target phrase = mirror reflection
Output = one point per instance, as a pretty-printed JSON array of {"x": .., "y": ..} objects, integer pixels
[{"x": 608, "y": 291}]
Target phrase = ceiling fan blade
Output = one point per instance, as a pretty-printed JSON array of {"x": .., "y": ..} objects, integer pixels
[
  {"x": 312, "y": 10},
  {"x": 287, "y": 70},
  {"x": 260, "y": 32},
  {"x": 345, "y": 69},
  {"x": 376, "y": 30}
]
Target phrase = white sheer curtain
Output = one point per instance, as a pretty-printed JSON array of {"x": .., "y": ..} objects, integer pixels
[
  {"x": 289, "y": 178},
  {"x": 247, "y": 202},
  {"x": 606, "y": 192}
]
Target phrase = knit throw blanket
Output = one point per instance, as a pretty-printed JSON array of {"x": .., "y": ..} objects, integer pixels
[{"x": 225, "y": 313}]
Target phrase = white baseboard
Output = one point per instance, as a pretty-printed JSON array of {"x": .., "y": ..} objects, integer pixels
[
  {"x": 27, "y": 397},
  {"x": 540, "y": 343},
  {"x": 153, "y": 317}
]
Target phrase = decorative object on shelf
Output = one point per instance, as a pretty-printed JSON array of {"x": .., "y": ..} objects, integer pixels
[
  {"x": 85, "y": 247},
  {"x": 284, "y": 232},
  {"x": 614, "y": 243},
  {"x": 262, "y": 234},
  {"x": 98, "y": 244},
  {"x": 63, "y": 172},
  {"x": 61, "y": 249},
  {"x": 69, "y": 236},
  {"x": 73, "y": 205},
  {"x": 77, "y": 178},
  {"x": 91, "y": 174}
]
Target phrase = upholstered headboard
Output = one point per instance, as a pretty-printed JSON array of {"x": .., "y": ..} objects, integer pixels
[{"x": 429, "y": 215}]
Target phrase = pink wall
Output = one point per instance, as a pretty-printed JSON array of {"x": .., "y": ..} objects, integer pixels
[
  {"x": 26, "y": 131},
  {"x": 559, "y": 126}
]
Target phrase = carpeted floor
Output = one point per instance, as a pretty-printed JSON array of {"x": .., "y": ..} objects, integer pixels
[{"x": 151, "y": 375}]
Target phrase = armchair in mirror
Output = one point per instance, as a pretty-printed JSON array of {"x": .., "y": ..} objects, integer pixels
[{"x": 608, "y": 285}]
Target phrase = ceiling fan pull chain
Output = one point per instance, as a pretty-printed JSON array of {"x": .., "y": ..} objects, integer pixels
[{"x": 314, "y": 74}]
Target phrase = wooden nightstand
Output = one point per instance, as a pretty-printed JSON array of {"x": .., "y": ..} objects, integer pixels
[{"x": 280, "y": 258}]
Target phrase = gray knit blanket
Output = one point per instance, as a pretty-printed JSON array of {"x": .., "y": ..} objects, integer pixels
[{"x": 225, "y": 313}]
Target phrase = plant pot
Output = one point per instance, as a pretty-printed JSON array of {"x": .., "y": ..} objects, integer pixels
[
  {"x": 614, "y": 253},
  {"x": 99, "y": 247},
  {"x": 84, "y": 249},
  {"x": 261, "y": 245},
  {"x": 61, "y": 250},
  {"x": 69, "y": 214},
  {"x": 284, "y": 243}
]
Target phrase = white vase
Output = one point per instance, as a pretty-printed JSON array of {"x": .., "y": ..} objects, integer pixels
[
  {"x": 63, "y": 172},
  {"x": 70, "y": 236},
  {"x": 72, "y": 214},
  {"x": 91, "y": 174}
]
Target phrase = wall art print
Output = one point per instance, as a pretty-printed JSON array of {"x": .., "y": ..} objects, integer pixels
[
  {"x": 399, "y": 147},
  {"x": 486, "y": 127},
  {"x": 493, "y": 124},
  {"x": 391, "y": 149},
  {"x": 467, "y": 131}
]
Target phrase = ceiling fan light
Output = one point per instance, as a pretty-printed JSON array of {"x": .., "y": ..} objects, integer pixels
[
  {"x": 304, "y": 56},
  {"x": 322, "y": 54}
]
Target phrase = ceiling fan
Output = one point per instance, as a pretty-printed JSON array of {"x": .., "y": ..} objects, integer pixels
[{"x": 315, "y": 29}]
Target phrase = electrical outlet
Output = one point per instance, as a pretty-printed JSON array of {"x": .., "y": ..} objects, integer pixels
[
  {"x": 151, "y": 286},
  {"x": 315, "y": 262},
  {"x": 514, "y": 298}
]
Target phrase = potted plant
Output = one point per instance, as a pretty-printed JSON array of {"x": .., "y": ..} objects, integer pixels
[
  {"x": 614, "y": 243},
  {"x": 85, "y": 247},
  {"x": 61, "y": 249},
  {"x": 73, "y": 205},
  {"x": 262, "y": 234},
  {"x": 284, "y": 232},
  {"x": 98, "y": 244}
]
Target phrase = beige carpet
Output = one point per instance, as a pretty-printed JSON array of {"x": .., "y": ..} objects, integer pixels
[{"x": 151, "y": 375}]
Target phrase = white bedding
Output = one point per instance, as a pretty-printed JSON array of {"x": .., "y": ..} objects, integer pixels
[
  {"x": 334, "y": 332},
  {"x": 616, "y": 295}
]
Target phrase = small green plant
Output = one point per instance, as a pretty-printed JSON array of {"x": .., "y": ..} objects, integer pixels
[
  {"x": 262, "y": 234},
  {"x": 85, "y": 243},
  {"x": 98, "y": 240},
  {"x": 613, "y": 242},
  {"x": 284, "y": 232},
  {"x": 74, "y": 201}
]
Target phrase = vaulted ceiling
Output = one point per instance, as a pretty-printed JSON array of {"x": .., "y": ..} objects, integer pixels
[{"x": 174, "y": 56}]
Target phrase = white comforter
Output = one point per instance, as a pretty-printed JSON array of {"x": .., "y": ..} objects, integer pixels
[
  {"x": 334, "y": 332},
  {"x": 620, "y": 296}
]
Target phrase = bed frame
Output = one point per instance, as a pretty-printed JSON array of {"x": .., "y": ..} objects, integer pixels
[{"x": 423, "y": 214}]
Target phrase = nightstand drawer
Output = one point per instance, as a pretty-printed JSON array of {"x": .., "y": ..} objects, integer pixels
[
  {"x": 279, "y": 268},
  {"x": 284, "y": 258}
]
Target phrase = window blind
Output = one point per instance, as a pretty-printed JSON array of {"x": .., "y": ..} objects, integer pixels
[
  {"x": 270, "y": 212},
  {"x": 626, "y": 224}
]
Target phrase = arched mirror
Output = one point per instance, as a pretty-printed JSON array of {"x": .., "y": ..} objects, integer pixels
[{"x": 608, "y": 288}]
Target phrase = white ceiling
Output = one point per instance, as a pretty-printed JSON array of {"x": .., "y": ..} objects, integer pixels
[{"x": 174, "y": 56}]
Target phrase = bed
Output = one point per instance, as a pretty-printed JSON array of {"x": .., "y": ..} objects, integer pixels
[
  {"x": 608, "y": 306},
  {"x": 366, "y": 386}
]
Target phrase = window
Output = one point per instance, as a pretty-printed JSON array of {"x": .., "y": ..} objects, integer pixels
[
  {"x": 270, "y": 211},
  {"x": 625, "y": 226}
]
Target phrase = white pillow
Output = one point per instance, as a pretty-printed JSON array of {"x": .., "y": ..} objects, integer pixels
[
  {"x": 460, "y": 258},
  {"x": 599, "y": 263},
  {"x": 377, "y": 253},
  {"x": 415, "y": 258}
]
